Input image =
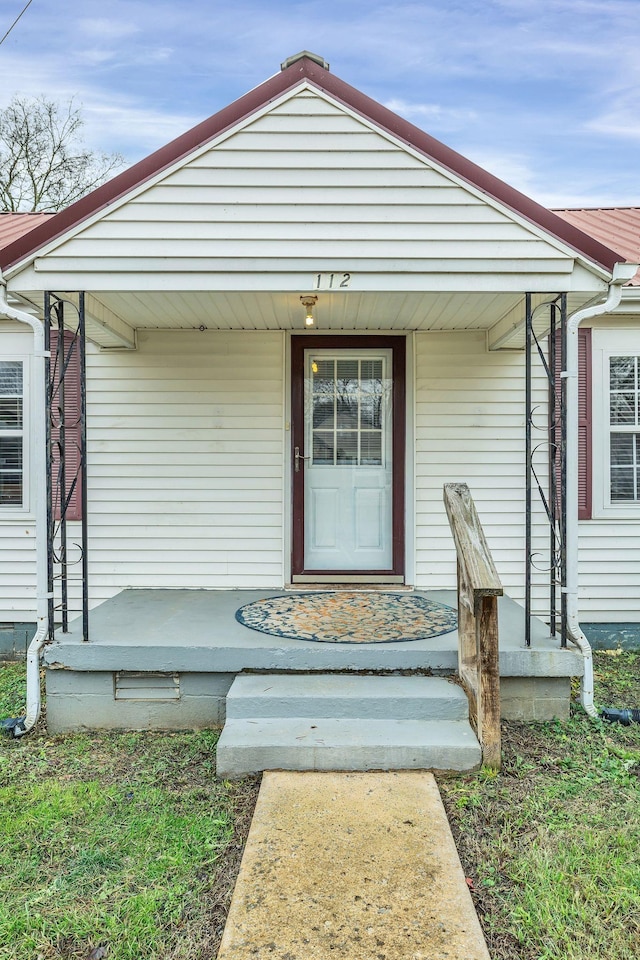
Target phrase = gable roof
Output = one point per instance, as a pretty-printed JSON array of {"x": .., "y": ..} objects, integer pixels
[
  {"x": 299, "y": 71},
  {"x": 616, "y": 225}
]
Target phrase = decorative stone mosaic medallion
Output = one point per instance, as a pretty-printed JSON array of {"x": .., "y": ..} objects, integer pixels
[{"x": 343, "y": 617}]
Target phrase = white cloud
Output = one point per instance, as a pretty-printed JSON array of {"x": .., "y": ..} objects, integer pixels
[
  {"x": 574, "y": 188},
  {"x": 445, "y": 118},
  {"x": 107, "y": 29},
  {"x": 136, "y": 128}
]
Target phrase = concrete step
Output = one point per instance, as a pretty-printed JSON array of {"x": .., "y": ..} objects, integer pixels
[
  {"x": 251, "y": 745},
  {"x": 341, "y": 696}
]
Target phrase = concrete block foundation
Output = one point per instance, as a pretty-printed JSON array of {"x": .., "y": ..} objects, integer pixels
[
  {"x": 535, "y": 698},
  {"x": 80, "y": 700}
]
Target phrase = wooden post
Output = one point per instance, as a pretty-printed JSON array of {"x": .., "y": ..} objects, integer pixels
[
  {"x": 489, "y": 682},
  {"x": 478, "y": 590}
]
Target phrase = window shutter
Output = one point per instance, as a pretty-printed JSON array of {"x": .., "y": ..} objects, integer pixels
[
  {"x": 585, "y": 462},
  {"x": 71, "y": 416},
  {"x": 584, "y": 419}
]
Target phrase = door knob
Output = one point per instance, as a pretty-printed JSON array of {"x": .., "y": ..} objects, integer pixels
[{"x": 297, "y": 457}]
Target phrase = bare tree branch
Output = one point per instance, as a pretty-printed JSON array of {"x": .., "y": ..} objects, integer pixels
[{"x": 44, "y": 164}]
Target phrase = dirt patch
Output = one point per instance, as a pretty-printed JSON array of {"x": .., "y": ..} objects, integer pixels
[{"x": 205, "y": 919}]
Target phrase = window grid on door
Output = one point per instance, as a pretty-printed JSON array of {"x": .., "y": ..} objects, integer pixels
[{"x": 347, "y": 398}]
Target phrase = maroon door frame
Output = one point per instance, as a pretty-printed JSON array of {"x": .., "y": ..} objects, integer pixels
[{"x": 318, "y": 342}]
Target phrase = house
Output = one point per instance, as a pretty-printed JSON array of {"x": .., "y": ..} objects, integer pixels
[
  {"x": 609, "y": 544},
  {"x": 301, "y": 318}
]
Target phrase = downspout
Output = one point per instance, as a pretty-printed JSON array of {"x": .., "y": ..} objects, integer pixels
[
  {"x": 622, "y": 272},
  {"x": 24, "y": 724}
]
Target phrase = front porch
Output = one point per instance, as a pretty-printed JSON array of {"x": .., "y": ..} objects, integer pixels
[{"x": 167, "y": 658}]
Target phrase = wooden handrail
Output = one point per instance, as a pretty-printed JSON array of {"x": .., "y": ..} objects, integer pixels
[{"x": 478, "y": 590}]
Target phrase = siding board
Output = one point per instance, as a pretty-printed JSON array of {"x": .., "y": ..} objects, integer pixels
[
  {"x": 475, "y": 436},
  {"x": 297, "y": 188},
  {"x": 185, "y": 462}
]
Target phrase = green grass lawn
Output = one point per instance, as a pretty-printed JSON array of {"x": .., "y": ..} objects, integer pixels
[
  {"x": 125, "y": 845},
  {"x": 552, "y": 844},
  {"x": 117, "y": 845}
]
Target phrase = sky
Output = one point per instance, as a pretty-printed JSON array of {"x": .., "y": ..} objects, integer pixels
[{"x": 542, "y": 93}]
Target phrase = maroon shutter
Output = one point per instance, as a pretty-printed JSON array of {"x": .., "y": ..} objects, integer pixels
[
  {"x": 584, "y": 419},
  {"x": 71, "y": 422},
  {"x": 584, "y": 423}
]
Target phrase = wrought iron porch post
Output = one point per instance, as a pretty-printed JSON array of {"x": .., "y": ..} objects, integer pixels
[
  {"x": 83, "y": 467},
  {"x": 528, "y": 454},
  {"x": 563, "y": 476},
  {"x": 50, "y": 528},
  {"x": 60, "y": 367},
  {"x": 553, "y": 474},
  {"x": 59, "y": 498}
]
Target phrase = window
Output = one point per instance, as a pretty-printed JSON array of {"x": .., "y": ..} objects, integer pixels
[
  {"x": 616, "y": 421},
  {"x": 624, "y": 428},
  {"x": 11, "y": 433}
]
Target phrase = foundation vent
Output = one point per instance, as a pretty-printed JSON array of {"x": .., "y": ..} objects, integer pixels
[{"x": 143, "y": 685}]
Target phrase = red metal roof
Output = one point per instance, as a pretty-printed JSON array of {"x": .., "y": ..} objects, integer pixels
[
  {"x": 15, "y": 225},
  {"x": 317, "y": 76},
  {"x": 618, "y": 226}
]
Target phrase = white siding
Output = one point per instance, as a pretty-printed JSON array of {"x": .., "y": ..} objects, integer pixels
[
  {"x": 470, "y": 428},
  {"x": 305, "y": 187},
  {"x": 609, "y": 569},
  {"x": 185, "y": 447}
]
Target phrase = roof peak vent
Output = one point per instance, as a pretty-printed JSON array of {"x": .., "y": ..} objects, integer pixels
[{"x": 310, "y": 56}]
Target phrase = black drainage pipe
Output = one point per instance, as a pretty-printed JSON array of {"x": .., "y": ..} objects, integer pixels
[{"x": 625, "y": 717}]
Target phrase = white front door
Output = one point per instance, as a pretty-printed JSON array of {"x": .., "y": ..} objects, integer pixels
[
  {"x": 343, "y": 460},
  {"x": 348, "y": 476}
]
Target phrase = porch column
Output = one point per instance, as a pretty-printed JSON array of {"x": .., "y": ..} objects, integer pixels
[{"x": 66, "y": 433}]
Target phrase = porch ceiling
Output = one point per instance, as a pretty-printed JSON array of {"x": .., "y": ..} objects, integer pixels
[{"x": 114, "y": 316}]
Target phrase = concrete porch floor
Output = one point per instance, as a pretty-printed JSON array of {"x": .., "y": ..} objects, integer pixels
[
  {"x": 196, "y": 631},
  {"x": 166, "y": 659}
]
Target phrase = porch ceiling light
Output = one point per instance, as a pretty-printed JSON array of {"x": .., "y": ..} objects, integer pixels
[{"x": 309, "y": 303}]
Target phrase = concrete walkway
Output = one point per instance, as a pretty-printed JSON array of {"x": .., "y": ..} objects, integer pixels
[{"x": 360, "y": 866}]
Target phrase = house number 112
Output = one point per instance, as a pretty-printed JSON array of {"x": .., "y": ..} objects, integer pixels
[{"x": 331, "y": 281}]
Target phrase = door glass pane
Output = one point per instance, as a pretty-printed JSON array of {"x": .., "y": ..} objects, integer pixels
[
  {"x": 347, "y": 446},
  {"x": 323, "y": 447},
  {"x": 371, "y": 448},
  {"x": 323, "y": 413},
  {"x": 370, "y": 410},
  {"x": 347, "y": 377},
  {"x": 348, "y": 397},
  {"x": 347, "y": 412},
  {"x": 372, "y": 376},
  {"x": 323, "y": 376}
]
